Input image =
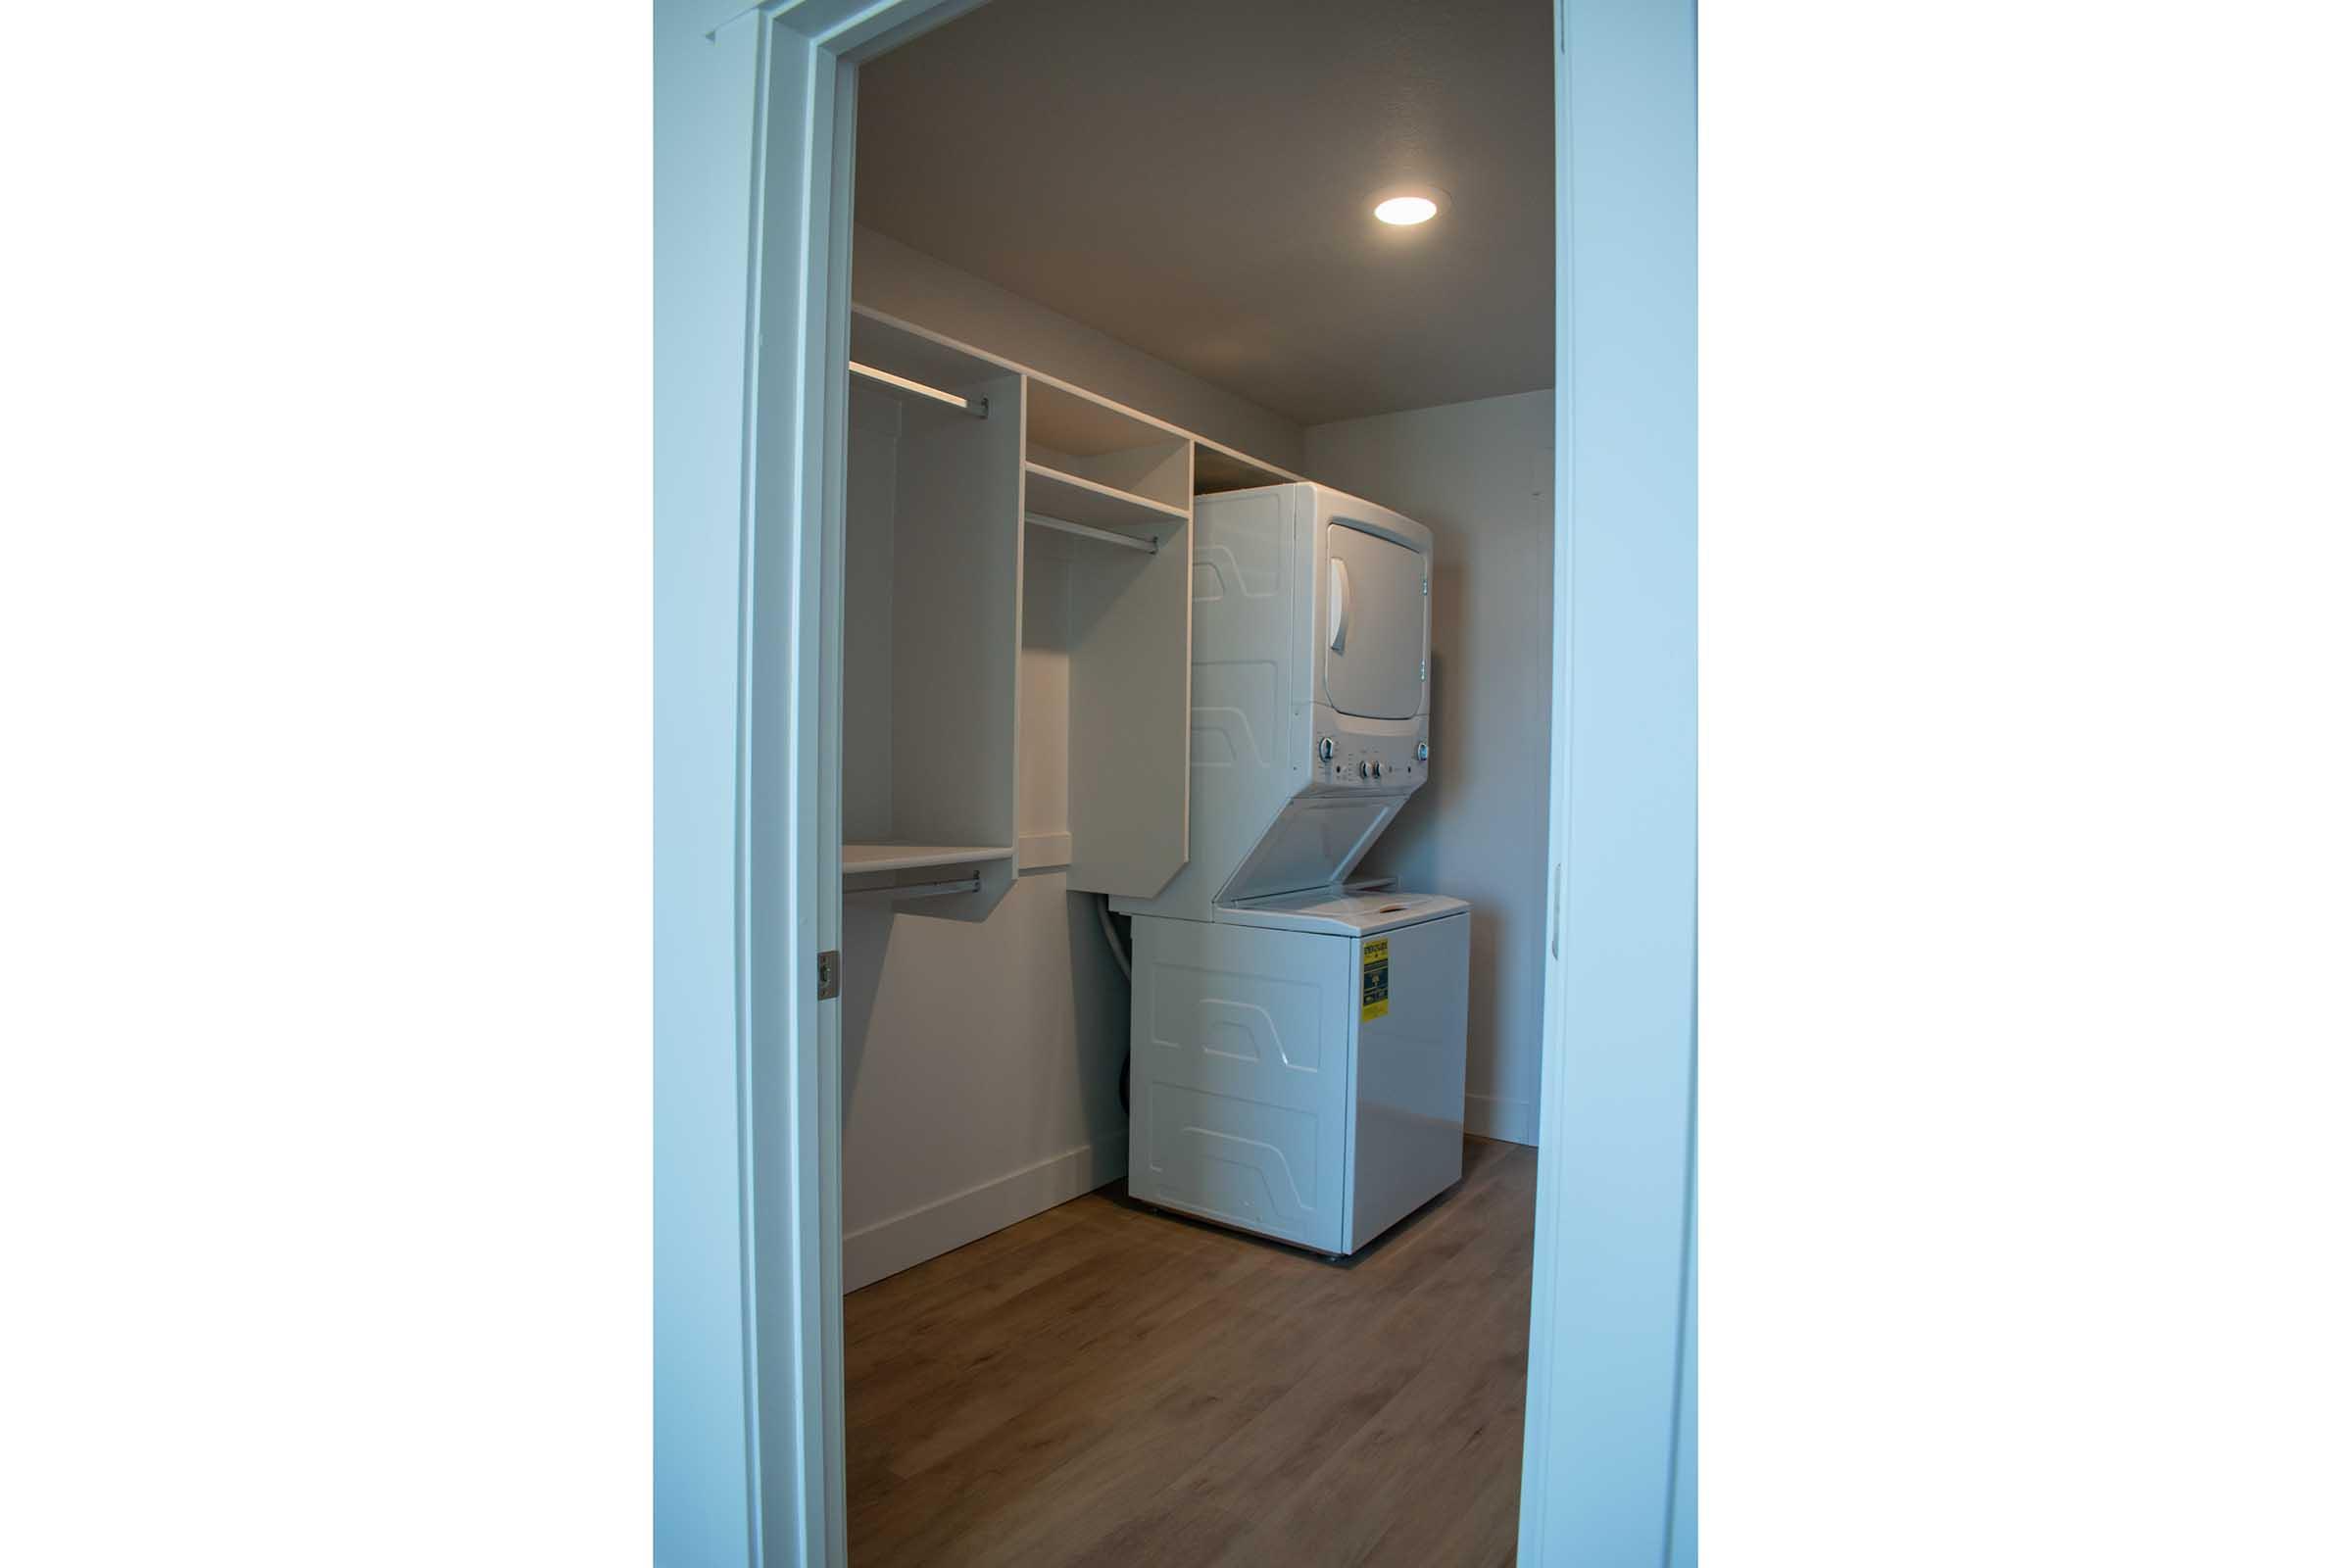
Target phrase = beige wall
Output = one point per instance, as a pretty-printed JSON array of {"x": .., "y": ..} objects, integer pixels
[
  {"x": 898, "y": 282},
  {"x": 1479, "y": 475}
]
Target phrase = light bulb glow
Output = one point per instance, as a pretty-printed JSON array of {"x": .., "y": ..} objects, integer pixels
[{"x": 1406, "y": 210}]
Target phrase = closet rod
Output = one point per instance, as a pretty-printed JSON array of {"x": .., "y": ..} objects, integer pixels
[
  {"x": 918, "y": 890},
  {"x": 977, "y": 408},
  {"x": 1150, "y": 546}
]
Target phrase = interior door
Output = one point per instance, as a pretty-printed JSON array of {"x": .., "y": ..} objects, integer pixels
[{"x": 1374, "y": 625}]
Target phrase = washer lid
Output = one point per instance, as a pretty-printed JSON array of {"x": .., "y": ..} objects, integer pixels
[{"x": 1341, "y": 914}]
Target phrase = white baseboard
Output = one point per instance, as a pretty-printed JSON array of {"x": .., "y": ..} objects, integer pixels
[
  {"x": 1511, "y": 1120},
  {"x": 882, "y": 1248}
]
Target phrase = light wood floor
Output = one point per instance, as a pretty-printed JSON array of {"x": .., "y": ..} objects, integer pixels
[{"x": 1102, "y": 1384}]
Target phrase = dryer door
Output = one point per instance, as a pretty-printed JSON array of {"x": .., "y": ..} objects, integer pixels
[{"x": 1374, "y": 624}]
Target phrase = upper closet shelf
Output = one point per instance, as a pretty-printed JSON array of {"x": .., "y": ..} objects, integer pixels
[
  {"x": 1071, "y": 499},
  {"x": 1064, "y": 420},
  {"x": 1217, "y": 468},
  {"x": 1067, "y": 426},
  {"x": 1079, "y": 531},
  {"x": 910, "y": 361},
  {"x": 908, "y": 386}
]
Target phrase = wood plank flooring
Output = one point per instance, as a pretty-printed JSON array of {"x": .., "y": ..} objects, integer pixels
[{"x": 1103, "y": 1383}]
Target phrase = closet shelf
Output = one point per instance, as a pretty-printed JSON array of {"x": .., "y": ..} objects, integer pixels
[
  {"x": 1038, "y": 519},
  {"x": 1217, "y": 468},
  {"x": 859, "y": 857},
  {"x": 1079, "y": 424},
  {"x": 1066, "y": 498},
  {"x": 977, "y": 408}
]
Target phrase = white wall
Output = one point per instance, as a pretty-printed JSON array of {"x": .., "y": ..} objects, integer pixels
[
  {"x": 906, "y": 284},
  {"x": 1479, "y": 475},
  {"x": 703, "y": 97},
  {"x": 979, "y": 1072}
]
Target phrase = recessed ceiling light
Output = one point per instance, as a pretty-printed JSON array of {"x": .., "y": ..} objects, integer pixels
[{"x": 1415, "y": 205}]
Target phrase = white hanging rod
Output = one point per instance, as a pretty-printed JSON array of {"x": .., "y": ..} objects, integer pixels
[
  {"x": 918, "y": 890},
  {"x": 977, "y": 408},
  {"x": 1150, "y": 546}
]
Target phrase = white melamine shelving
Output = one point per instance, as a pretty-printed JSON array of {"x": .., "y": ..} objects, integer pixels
[
  {"x": 1105, "y": 644},
  {"x": 856, "y": 858},
  {"x": 930, "y": 637},
  {"x": 1070, "y": 498},
  {"x": 906, "y": 352},
  {"x": 1017, "y": 636},
  {"x": 1217, "y": 468}
]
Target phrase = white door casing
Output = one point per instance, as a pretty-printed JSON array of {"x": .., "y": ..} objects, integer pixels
[{"x": 1602, "y": 1475}]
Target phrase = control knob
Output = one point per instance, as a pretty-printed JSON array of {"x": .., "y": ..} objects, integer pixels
[{"x": 1324, "y": 747}]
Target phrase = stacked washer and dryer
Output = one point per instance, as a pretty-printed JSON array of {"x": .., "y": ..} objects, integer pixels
[{"x": 1297, "y": 1046}]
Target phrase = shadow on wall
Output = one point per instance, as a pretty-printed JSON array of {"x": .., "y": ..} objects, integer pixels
[
  {"x": 864, "y": 947},
  {"x": 1100, "y": 1040}
]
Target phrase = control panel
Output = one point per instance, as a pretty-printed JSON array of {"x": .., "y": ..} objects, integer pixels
[{"x": 1360, "y": 762}]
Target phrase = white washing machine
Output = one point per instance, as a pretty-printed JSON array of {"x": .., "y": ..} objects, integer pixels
[{"x": 1296, "y": 1047}]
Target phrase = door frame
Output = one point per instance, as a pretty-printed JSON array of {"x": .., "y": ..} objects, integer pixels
[
  {"x": 1609, "y": 1467},
  {"x": 1623, "y": 822}
]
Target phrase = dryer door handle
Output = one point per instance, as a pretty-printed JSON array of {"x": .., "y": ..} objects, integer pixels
[{"x": 1339, "y": 605}]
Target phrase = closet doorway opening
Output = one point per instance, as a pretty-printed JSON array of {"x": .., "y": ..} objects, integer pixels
[{"x": 1109, "y": 270}]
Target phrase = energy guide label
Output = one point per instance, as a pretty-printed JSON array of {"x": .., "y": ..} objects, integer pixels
[{"x": 1376, "y": 980}]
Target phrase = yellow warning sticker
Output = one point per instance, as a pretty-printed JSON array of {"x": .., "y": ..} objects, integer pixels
[{"x": 1376, "y": 979}]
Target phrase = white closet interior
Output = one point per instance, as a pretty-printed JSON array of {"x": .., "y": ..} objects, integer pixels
[
  {"x": 1016, "y": 725},
  {"x": 1016, "y": 636},
  {"x": 1106, "y": 640},
  {"x": 931, "y": 561},
  {"x": 1103, "y": 267}
]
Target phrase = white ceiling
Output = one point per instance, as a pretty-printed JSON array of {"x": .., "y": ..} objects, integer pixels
[{"x": 1195, "y": 179}]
